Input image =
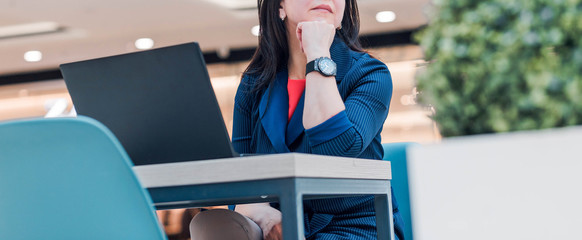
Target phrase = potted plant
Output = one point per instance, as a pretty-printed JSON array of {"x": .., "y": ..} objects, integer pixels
[{"x": 500, "y": 66}]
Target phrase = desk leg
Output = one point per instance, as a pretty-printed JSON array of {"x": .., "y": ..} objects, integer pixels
[
  {"x": 384, "y": 219},
  {"x": 292, "y": 211}
]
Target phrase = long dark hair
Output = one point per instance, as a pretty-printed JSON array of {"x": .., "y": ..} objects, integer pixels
[{"x": 272, "y": 53}]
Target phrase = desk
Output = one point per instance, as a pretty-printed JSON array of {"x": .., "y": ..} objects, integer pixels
[{"x": 287, "y": 178}]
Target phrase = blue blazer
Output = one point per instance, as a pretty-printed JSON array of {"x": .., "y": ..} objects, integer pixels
[{"x": 260, "y": 126}]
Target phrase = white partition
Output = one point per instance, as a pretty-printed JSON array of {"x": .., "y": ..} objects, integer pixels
[{"x": 525, "y": 185}]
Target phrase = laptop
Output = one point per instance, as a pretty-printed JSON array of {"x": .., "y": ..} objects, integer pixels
[{"x": 159, "y": 103}]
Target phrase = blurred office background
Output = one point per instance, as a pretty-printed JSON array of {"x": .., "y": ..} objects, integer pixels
[{"x": 36, "y": 36}]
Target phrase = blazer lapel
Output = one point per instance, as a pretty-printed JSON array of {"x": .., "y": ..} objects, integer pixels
[
  {"x": 295, "y": 126},
  {"x": 273, "y": 110}
]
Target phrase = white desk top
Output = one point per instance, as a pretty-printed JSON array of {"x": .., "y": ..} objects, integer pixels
[{"x": 260, "y": 167}]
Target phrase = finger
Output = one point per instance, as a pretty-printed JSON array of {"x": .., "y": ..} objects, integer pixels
[
  {"x": 278, "y": 229},
  {"x": 266, "y": 233},
  {"x": 331, "y": 34},
  {"x": 299, "y": 35},
  {"x": 299, "y": 32},
  {"x": 273, "y": 236},
  {"x": 299, "y": 29},
  {"x": 275, "y": 233}
]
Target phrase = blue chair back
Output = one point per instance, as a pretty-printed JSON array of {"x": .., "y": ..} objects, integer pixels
[
  {"x": 396, "y": 154},
  {"x": 69, "y": 178}
]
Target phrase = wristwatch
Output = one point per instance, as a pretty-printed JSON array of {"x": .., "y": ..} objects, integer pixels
[{"x": 323, "y": 65}]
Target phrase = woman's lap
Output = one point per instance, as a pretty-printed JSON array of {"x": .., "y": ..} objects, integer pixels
[{"x": 226, "y": 224}]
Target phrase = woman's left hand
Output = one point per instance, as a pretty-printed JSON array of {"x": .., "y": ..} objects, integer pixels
[
  {"x": 315, "y": 38},
  {"x": 268, "y": 218}
]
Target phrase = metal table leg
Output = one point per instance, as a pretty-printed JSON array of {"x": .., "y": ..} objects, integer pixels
[
  {"x": 383, "y": 207},
  {"x": 291, "y": 204}
]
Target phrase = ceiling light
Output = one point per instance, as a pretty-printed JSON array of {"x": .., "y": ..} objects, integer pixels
[
  {"x": 236, "y": 4},
  {"x": 386, "y": 16},
  {"x": 28, "y": 29},
  {"x": 256, "y": 30},
  {"x": 144, "y": 43},
  {"x": 223, "y": 52},
  {"x": 33, "y": 56}
]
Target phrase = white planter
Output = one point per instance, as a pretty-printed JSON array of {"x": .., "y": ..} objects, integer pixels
[{"x": 525, "y": 185}]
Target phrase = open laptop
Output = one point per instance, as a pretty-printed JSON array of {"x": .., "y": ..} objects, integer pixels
[{"x": 159, "y": 103}]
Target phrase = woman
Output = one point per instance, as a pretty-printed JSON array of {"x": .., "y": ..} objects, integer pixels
[{"x": 309, "y": 88}]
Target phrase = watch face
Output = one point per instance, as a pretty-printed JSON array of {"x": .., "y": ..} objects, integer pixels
[{"x": 327, "y": 66}]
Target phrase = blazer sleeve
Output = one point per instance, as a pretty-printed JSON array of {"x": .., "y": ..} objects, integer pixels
[
  {"x": 242, "y": 123},
  {"x": 351, "y": 131}
]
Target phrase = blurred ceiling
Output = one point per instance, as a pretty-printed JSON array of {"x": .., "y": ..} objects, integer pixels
[{"x": 84, "y": 29}]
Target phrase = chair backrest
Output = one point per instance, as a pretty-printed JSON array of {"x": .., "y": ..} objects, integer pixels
[
  {"x": 69, "y": 178},
  {"x": 396, "y": 154}
]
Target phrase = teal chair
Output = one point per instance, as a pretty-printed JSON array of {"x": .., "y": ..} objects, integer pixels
[
  {"x": 69, "y": 178},
  {"x": 396, "y": 154}
]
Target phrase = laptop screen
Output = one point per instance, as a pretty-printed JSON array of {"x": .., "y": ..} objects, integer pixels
[{"x": 159, "y": 103}]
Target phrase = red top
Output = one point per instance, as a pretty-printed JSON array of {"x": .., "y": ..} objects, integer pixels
[{"x": 295, "y": 89}]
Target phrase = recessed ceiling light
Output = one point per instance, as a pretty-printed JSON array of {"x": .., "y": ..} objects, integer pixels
[
  {"x": 256, "y": 30},
  {"x": 144, "y": 43},
  {"x": 236, "y": 4},
  {"x": 28, "y": 29},
  {"x": 386, "y": 16},
  {"x": 33, "y": 56}
]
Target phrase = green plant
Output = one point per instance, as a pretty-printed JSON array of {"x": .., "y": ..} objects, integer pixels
[{"x": 503, "y": 65}]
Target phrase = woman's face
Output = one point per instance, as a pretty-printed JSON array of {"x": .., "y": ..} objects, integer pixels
[{"x": 330, "y": 11}]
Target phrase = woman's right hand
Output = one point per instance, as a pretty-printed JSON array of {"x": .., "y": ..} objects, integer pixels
[
  {"x": 315, "y": 38},
  {"x": 267, "y": 217}
]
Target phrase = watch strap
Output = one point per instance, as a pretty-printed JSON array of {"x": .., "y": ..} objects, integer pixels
[{"x": 310, "y": 67}]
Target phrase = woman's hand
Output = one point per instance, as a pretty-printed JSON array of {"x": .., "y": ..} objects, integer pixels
[
  {"x": 276, "y": 233},
  {"x": 315, "y": 38},
  {"x": 268, "y": 219}
]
